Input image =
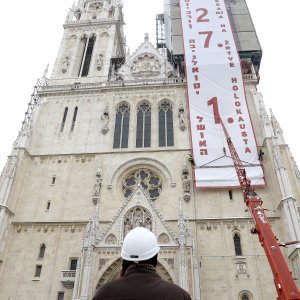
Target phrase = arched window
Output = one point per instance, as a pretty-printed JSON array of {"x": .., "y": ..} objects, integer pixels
[
  {"x": 85, "y": 52},
  {"x": 42, "y": 251},
  {"x": 86, "y": 60},
  {"x": 245, "y": 297},
  {"x": 166, "y": 134},
  {"x": 237, "y": 244},
  {"x": 122, "y": 126},
  {"x": 143, "y": 125}
]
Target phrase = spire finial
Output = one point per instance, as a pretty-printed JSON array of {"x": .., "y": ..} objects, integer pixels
[
  {"x": 146, "y": 37},
  {"x": 46, "y": 71}
]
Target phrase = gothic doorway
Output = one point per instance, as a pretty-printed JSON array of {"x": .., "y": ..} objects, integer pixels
[{"x": 113, "y": 271}]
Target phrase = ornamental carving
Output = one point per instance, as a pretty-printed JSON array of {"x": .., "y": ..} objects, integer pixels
[
  {"x": 163, "y": 239},
  {"x": 147, "y": 65},
  {"x": 111, "y": 239},
  {"x": 96, "y": 6},
  {"x": 137, "y": 217}
]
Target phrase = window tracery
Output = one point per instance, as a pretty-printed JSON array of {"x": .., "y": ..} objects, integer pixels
[
  {"x": 165, "y": 117},
  {"x": 149, "y": 181},
  {"x": 143, "y": 125},
  {"x": 122, "y": 126}
]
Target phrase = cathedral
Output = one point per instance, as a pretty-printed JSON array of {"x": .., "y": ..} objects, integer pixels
[{"x": 107, "y": 146}]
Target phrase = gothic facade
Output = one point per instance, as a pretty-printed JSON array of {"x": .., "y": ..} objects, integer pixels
[{"x": 103, "y": 149}]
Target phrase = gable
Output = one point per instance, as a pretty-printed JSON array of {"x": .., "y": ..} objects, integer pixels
[{"x": 137, "y": 211}]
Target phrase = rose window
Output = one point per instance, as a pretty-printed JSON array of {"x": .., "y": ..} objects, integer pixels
[{"x": 145, "y": 179}]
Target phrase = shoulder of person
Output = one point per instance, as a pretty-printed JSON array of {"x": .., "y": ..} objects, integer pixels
[{"x": 107, "y": 287}]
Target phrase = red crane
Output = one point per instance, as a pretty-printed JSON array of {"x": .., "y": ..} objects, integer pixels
[{"x": 284, "y": 282}]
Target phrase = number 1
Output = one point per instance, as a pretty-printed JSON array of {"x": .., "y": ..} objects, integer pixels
[{"x": 214, "y": 102}]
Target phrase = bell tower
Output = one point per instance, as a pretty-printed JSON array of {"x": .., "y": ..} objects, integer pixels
[{"x": 93, "y": 38}]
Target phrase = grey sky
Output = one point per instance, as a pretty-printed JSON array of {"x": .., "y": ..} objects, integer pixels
[{"x": 31, "y": 32}]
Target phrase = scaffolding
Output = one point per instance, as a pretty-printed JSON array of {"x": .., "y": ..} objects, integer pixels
[{"x": 160, "y": 31}]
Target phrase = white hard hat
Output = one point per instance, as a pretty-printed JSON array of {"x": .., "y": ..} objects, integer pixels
[{"x": 139, "y": 244}]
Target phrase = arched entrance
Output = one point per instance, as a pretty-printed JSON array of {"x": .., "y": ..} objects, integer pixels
[{"x": 113, "y": 271}]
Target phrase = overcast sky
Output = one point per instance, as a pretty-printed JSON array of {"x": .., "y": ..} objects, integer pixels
[{"x": 31, "y": 32}]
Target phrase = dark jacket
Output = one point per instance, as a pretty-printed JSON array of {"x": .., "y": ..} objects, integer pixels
[{"x": 140, "y": 284}]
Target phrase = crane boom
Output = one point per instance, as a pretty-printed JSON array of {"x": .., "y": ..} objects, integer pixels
[{"x": 284, "y": 282}]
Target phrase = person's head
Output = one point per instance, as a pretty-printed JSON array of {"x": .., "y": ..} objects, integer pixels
[{"x": 139, "y": 247}]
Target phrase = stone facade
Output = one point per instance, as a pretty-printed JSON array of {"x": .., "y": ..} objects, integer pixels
[{"x": 69, "y": 192}]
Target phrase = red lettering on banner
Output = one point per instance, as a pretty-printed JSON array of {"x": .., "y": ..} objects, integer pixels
[
  {"x": 201, "y": 127},
  {"x": 247, "y": 150},
  {"x": 203, "y": 152},
  {"x": 202, "y": 143}
]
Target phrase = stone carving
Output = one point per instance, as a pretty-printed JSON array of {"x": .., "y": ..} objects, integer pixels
[
  {"x": 137, "y": 217},
  {"x": 99, "y": 61},
  {"x": 146, "y": 65},
  {"x": 296, "y": 169},
  {"x": 111, "y": 239},
  {"x": 105, "y": 118},
  {"x": 186, "y": 183},
  {"x": 241, "y": 268},
  {"x": 181, "y": 118},
  {"x": 102, "y": 262},
  {"x": 11, "y": 168},
  {"x": 96, "y": 6},
  {"x": 65, "y": 64},
  {"x": 170, "y": 262},
  {"x": 97, "y": 187},
  {"x": 163, "y": 239}
]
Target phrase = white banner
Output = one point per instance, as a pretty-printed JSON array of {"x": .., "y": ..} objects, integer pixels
[{"x": 215, "y": 88}]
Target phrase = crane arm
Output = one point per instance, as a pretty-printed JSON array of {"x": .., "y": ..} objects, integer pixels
[{"x": 284, "y": 282}]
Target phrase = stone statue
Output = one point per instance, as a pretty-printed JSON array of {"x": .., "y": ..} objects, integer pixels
[
  {"x": 66, "y": 63},
  {"x": 186, "y": 183},
  {"x": 181, "y": 118},
  {"x": 99, "y": 61},
  {"x": 105, "y": 118}
]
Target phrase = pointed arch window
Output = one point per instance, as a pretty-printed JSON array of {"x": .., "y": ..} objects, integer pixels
[
  {"x": 42, "y": 251},
  {"x": 143, "y": 125},
  {"x": 122, "y": 126},
  {"x": 237, "y": 244},
  {"x": 165, "y": 117},
  {"x": 87, "y": 47}
]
